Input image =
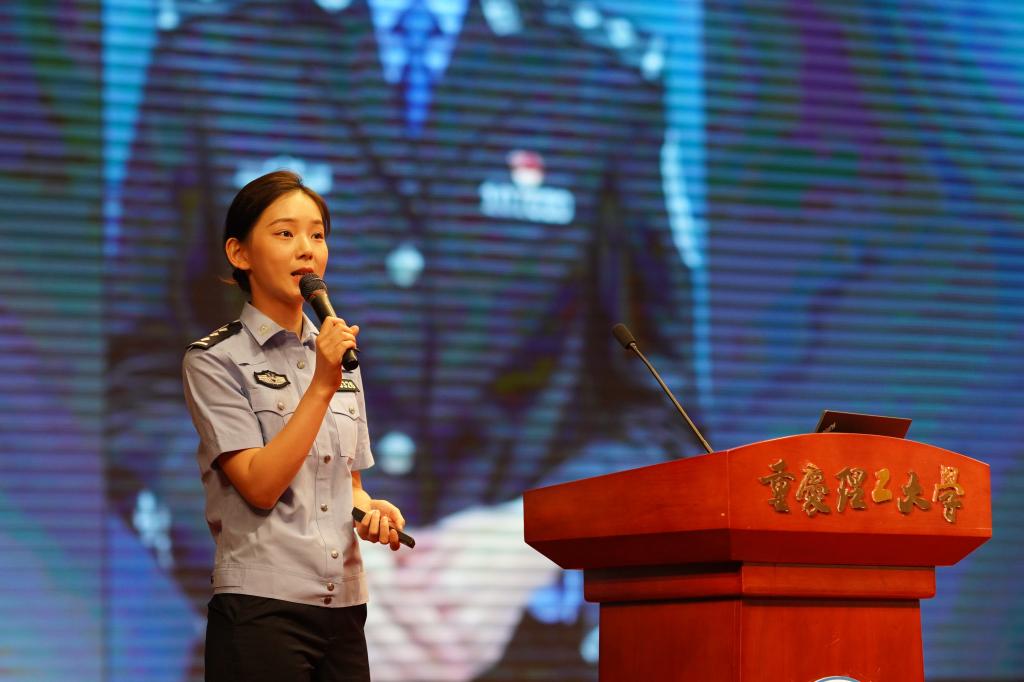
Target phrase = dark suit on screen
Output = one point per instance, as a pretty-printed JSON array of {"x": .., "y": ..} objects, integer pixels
[{"x": 485, "y": 261}]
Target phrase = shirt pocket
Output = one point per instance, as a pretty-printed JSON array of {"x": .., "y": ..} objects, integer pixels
[
  {"x": 273, "y": 409},
  {"x": 346, "y": 416}
]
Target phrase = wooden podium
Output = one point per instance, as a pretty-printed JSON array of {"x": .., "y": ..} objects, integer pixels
[{"x": 790, "y": 560}]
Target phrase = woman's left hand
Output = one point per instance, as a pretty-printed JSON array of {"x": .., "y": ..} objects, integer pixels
[{"x": 381, "y": 521}]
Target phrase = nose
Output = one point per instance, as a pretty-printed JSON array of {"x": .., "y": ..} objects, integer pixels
[{"x": 304, "y": 246}]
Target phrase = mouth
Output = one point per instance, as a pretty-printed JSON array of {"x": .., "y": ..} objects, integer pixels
[{"x": 302, "y": 271}]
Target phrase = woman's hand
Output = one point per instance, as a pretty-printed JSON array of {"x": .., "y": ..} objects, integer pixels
[
  {"x": 380, "y": 521},
  {"x": 334, "y": 339}
]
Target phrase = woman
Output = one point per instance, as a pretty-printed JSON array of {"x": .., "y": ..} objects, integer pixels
[{"x": 283, "y": 438}]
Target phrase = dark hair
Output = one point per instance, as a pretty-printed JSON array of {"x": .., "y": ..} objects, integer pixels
[{"x": 253, "y": 199}]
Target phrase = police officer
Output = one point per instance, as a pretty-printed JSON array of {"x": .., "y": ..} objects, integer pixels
[
  {"x": 281, "y": 450},
  {"x": 500, "y": 182}
]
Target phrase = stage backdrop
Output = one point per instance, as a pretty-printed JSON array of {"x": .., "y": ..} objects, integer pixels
[{"x": 795, "y": 205}]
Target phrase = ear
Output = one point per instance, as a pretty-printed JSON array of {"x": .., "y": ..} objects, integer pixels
[{"x": 237, "y": 254}]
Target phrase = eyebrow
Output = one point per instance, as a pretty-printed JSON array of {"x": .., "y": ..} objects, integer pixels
[{"x": 292, "y": 220}]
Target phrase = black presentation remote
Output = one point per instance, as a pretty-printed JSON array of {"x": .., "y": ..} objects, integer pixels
[{"x": 404, "y": 538}]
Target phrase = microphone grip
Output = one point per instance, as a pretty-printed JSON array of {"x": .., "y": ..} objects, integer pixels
[{"x": 322, "y": 307}]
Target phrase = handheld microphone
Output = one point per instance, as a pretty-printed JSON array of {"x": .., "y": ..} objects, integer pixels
[
  {"x": 623, "y": 335},
  {"x": 314, "y": 290}
]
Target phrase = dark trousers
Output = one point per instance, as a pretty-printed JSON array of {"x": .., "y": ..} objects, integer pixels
[{"x": 252, "y": 639}]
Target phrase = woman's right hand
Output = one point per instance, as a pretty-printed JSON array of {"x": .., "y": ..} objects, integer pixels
[{"x": 334, "y": 339}]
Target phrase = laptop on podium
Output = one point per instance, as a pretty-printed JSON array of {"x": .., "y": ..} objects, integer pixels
[{"x": 833, "y": 421}]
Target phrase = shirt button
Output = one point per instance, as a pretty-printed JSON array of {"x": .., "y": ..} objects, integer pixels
[
  {"x": 323, "y": 507},
  {"x": 330, "y": 587},
  {"x": 280, "y": 405},
  {"x": 301, "y": 364},
  {"x": 334, "y": 554},
  {"x": 327, "y": 600},
  {"x": 264, "y": 329},
  {"x": 351, "y": 410},
  {"x": 327, "y": 458}
]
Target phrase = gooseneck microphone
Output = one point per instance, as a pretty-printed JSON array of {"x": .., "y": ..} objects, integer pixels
[
  {"x": 623, "y": 335},
  {"x": 314, "y": 290}
]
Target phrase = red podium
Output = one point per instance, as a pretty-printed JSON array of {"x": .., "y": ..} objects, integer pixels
[{"x": 790, "y": 560}]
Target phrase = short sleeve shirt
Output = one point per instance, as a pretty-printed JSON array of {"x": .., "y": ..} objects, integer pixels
[{"x": 241, "y": 390}]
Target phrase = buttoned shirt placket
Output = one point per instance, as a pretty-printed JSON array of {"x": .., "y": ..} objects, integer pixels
[
  {"x": 299, "y": 363},
  {"x": 323, "y": 462}
]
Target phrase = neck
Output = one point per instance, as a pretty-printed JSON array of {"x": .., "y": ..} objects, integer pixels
[{"x": 285, "y": 314}]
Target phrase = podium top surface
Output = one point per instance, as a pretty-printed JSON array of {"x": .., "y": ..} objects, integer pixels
[{"x": 830, "y": 498}]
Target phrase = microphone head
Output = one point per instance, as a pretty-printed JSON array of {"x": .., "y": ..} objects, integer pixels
[
  {"x": 311, "y": 284},
  {"x": 622, "y": 333}
]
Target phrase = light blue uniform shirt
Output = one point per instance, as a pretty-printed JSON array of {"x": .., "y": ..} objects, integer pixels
[{"x": 241, "y": 390}]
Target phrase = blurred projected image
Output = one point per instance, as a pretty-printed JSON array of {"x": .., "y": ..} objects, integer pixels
[
  {"x": 507, "y": 179},
  {"x": 51, "y": 524}
]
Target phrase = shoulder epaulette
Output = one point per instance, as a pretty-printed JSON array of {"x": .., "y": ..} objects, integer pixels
[
  {"x": 635, "y": 48},
  {"x": 217, "y": 336}
]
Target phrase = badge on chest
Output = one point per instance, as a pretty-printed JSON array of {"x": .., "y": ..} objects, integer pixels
[
  {"x": 271, "y": 379},
  {"x": 348, "y": 386}
]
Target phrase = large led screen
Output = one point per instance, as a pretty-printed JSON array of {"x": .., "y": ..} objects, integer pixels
[{"x": 794, "y": 206}]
